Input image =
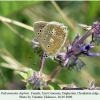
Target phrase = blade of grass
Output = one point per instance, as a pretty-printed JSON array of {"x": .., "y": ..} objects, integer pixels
[
  {"x": 63, "y": 15},
  {"x": 4, "y": 19},
  {"x": 12, "y": 63},
  {"x": 16, "y": 32}
]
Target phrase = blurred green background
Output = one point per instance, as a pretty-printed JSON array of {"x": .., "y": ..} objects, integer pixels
[{"x": 15, "y": 46}]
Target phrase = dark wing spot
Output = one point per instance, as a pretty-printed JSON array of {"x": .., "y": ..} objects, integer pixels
[
  {"x": 49, "y": 32},
  {"x": 46, "y": 56},
  {"x": 38, "y": 33},
  {"x": 48, "y": 46},
  {"x": 44, "y": 39},
  {"x": 41, "y": 30}
]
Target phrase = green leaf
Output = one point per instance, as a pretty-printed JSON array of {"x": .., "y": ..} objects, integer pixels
[
  {"x": 28, "y": 87},
  {"x": 30, "y": 72},
  {"x": 49, "y": 87},
  {"x": 24, "y": 75}
]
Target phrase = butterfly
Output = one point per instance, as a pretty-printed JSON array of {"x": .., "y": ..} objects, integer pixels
[{"x": 51, "y": 36}]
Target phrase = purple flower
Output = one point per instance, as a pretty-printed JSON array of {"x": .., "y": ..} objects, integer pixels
[
  {"x": 37, "y": 81},
  {"x": 95, "y": 31},
  {"x": 35, "y": 42},
  {"x": 92, "y": 86},
  {"x": 36, "y": 47},
  {"x": 96, "y": 34},
  {"x": 70, "y": 59}
]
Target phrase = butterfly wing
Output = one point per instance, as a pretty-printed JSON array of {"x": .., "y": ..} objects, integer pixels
[
  {"x": 38, "y": 29},
  {"x": 54, "y": 37}
]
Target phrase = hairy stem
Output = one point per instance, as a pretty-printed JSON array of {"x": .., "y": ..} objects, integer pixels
[
  {"x": 41, "y": 62},
  {"x": 54, "y": 73}
]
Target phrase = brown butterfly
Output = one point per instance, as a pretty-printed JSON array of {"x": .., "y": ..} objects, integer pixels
[{"x": 51, "y": 36}]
